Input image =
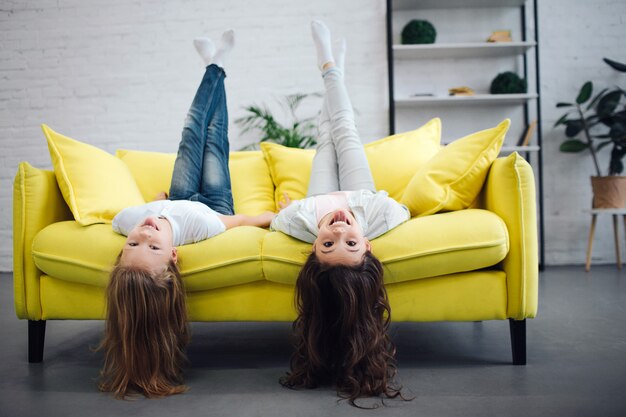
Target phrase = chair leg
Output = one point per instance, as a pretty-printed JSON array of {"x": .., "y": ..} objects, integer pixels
[
  {"x": 518, "y": 341},
  {"x": 36, "y": 338}
]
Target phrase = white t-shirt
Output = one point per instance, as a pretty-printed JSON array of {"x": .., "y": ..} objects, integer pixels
[
  {"x": 375, "y": 212},
  {"x": 191, "y": 221}
]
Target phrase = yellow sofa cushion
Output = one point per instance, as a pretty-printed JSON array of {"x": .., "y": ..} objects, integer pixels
[
  {"x": 393, "y": 161},
  {"x": 86, "y": 255},
  {"x": 152, "y": 170},
  {"x": 290, "y": 170},
  {"x": 452, "y": 179},
  {"x": 253, "y": 190},
  {"x": 423, "y": 247},
  {"x": 95, "y": 184}
]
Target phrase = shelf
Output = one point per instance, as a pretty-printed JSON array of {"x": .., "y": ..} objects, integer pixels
[
  {"x": 449, "y": 4},
  {"x": 508, "y": 149},
  {"x": 520, "y": 149},
  {"x": 462, "y": 50},
  {"x": 462, "y": 100},
  {"x": 465, "y": 54}
]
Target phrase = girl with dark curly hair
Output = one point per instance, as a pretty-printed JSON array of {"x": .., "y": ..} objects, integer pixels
[{"x": 343, "y": 310}]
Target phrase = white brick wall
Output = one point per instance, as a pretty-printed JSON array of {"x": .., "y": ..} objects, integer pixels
[
  {"x": 575, "y": 35},
  {"x": 117, "y": 74}
]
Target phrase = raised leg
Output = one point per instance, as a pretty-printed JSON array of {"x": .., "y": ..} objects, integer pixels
[
  {"x": 618, "y": 257},
  {"x": 201, "y": 169},
  {"x": 324, "y": 175},
  {"x": 518, "y": 341},
  {"x": 353, "y": 168},
  {"x": 215, "y": 187},
  {"x": 36, "y": 338},
  {"x": 592, "y": 230}
]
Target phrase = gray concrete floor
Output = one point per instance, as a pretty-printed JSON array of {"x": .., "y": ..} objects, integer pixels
[{"x": 576, "y": 364}]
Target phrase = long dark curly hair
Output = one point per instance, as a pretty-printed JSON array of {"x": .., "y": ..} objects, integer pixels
[
  {"x": 341, "y": 331},
  {"x": 146, "y": 333}
]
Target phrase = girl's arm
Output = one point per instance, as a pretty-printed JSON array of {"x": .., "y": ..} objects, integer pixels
[{"x": 261, "y": 220}]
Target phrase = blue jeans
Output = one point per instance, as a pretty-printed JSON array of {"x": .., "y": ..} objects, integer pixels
[{"x": 201, "y": 170}]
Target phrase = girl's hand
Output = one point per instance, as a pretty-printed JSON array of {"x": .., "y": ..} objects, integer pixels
[
  {"x": 264, "y": 219},
  {"x": 287, "y": 202},
  {"x": 260, "y": 220},
  {"x": 160, "y": 196}
]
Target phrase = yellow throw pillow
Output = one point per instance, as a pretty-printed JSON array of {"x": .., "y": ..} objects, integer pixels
[
  {"x": 152, "y": 170},
  {"x": 394, "y": 159},
  {"x": 290, "y": 169},
  {"x": 253, "y": 190},
  {"x": 452, "y": 179},
  {"x": 95, "y": 184}
]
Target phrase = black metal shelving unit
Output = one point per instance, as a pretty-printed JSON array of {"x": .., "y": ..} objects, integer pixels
[{"x": 524, "y": 14}]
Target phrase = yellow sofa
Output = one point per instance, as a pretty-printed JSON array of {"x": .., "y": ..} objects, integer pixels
[{"x": 472, "y": 264}]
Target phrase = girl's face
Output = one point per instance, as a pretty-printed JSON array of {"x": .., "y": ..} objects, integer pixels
[
  {"x": 149, "y": 245},
  {"x": 340, "y": 240}
]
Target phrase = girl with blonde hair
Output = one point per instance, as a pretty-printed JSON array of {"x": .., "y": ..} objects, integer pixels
[{"x": 146, "y": 327}]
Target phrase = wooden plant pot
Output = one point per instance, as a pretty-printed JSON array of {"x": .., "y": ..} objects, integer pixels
[{"x": 609, "y": 191}]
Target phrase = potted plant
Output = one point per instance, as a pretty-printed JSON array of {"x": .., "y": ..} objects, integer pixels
[
  {"x": 298, "y": 133},
  {"x": 593, "y": 124}
]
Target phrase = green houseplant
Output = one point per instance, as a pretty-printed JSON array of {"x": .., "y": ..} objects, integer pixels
[
  {"x": 593, "y": 124},
  {"x": 297, "y": 133}
]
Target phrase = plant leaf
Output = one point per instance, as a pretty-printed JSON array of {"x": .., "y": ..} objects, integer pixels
[
  {"x": 573, "y": 146},
  {"x": 615, "y": 65},
  {"x": 574, "y": 127},
  {"x": 615, "y": 165},
  {"x": 608, "y": 103},
  {"x": 585, "y": 92},
  {"x": 299, "y": 133},
  {"x": 562, "y": 120},
  {"x": 617, "y": 132},
  {"x": 604, "y": 145},
  {"x": 564, "y": 104},
  {"x": 596, "y": 98}
]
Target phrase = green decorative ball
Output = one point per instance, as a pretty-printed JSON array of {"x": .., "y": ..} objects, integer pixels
[
  {"x": 508, "y": 83},
  {"x": 418, "y": 31}
]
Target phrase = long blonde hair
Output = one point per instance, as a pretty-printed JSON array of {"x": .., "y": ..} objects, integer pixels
[{"x": 146, "y": 332}]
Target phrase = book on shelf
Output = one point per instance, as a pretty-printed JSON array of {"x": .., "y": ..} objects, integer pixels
[
  {"x": 500, "y": 36},
  {"x": 524, "y": 140}
]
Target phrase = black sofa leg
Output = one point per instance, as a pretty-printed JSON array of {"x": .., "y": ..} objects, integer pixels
[
  {"x": 36, "y": 338},
  {"x": 518, "y": 341}
]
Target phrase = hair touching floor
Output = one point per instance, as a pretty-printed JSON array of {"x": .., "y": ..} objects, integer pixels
[
  {"x": 341, "y": 331},
  {"x": 146, "y": 332}
]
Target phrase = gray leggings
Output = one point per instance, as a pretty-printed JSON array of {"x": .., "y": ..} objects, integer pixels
[{"x": 340, "y": 163}]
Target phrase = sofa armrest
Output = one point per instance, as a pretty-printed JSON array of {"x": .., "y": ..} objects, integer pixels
[
  {"x": 37, "y": 202},
  {"x": 509, "y": 191}
]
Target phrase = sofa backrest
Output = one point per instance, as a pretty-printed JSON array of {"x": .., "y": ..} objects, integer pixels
[{"x": 253, "y": 189}]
